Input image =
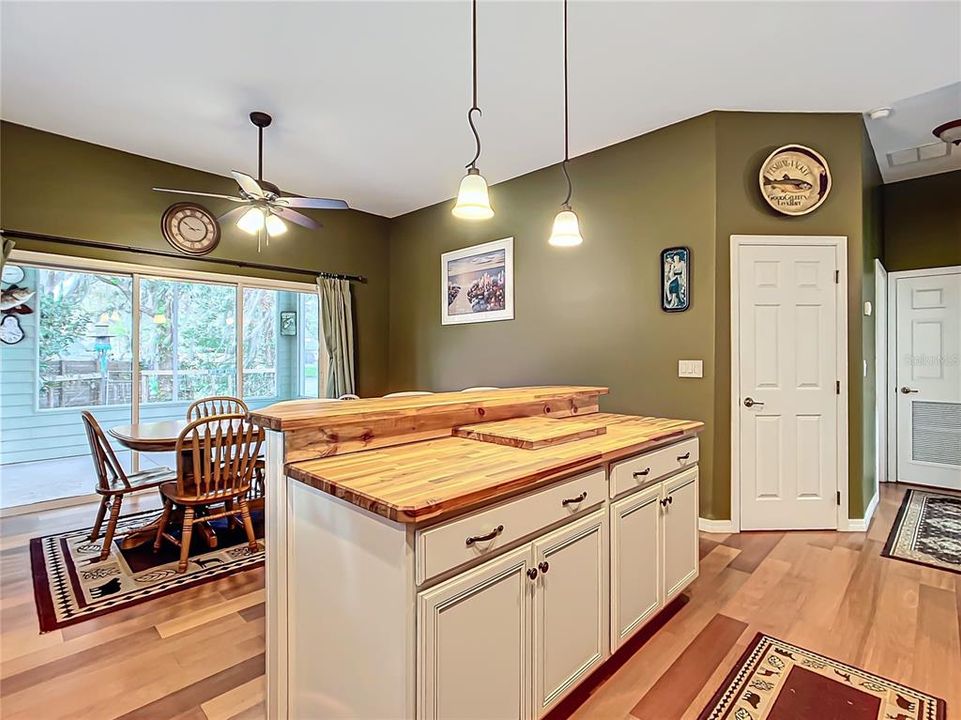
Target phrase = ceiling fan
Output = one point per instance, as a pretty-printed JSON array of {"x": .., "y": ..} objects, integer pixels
[{"x": 263, "y": 208}]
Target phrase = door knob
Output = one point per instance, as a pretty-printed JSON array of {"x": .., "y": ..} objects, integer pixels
[
  {"x": 908, "y": 391},
  {"x": 751, "y": 402},
  {"x": 544, "y": 567},
  {"x": 532, "y": 573}
]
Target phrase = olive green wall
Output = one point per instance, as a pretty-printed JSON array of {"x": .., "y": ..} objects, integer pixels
[
  {"x": 59, "y": 186},
  {"x": 922, "y": 222},
  {"x": 591, "y": 314}
]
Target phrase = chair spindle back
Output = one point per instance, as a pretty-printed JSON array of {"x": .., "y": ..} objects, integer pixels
[
  {"x": 217, "y": 455},
  {"x": 104, "y": 460},
  {"x": 216, "y": 405}
]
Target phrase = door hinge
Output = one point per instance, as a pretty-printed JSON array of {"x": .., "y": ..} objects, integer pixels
[
  {"x": 837, "y": 387},
  {"x": 839, "y": 497},
  {"x": 837, "y": 277}
]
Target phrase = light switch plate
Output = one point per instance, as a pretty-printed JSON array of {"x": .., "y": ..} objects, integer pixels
[{"x": 690, "y": 368}]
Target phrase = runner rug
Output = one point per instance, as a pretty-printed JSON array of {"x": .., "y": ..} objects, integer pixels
[
  {"x": 70, "y": 584},
  {"x": 927, "y": 531},
  {"x": 775, "y": 680}
]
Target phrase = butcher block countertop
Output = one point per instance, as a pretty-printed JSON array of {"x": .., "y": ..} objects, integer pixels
[{"x": 432, "y": 479}]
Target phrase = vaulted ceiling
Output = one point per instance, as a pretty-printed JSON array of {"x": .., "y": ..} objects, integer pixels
[{"x": 370, "y": 98}]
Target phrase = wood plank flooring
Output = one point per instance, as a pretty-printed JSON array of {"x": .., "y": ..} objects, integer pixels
[{"x": 199, "y": 654}]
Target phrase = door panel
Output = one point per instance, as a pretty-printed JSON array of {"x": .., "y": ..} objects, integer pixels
[
  {"x": 679, "y": 528},
  {"x": 635, "y": 563},
  {"x": 787, "y": 406},
  {"x": 928, "y": 388},
  {"x": 570, "y": 607},
  {"x": 473, "y": 654}
]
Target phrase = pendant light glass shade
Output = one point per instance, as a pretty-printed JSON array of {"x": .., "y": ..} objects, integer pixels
[
  {"x": 566, "y": 231},
  {"x": 275, "y": 226},
  {"x": 473, "y": 200},
  {"x": 252, "y": 221}
]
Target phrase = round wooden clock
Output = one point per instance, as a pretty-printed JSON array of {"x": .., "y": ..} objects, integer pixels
[
  {"x": 190, "y": 228},
  {"x": 795, "y": 180}
]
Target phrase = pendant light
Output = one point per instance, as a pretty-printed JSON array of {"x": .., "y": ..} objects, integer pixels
[
  {"x": 473, "y": 199},
  {"x": 566, "y": 232}
]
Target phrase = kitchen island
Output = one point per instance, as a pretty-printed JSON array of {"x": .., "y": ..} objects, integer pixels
[{"x": 469, "y": 554}]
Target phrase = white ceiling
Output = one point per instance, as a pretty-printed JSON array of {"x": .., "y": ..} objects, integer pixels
[
  {"x": 910, "y": 125},
  {"x": 369, "y": 98}
]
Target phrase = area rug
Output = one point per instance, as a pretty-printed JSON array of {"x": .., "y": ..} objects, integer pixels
[
  {"x": 70, "y": 585},
  {"x": 927, "y": 531},
  {"x": 775, "y": 680}
]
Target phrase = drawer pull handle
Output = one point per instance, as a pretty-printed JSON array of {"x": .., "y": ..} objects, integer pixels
[
  {"x": 574, "y": 500},
  {"x": 532, "y": 573},
  {"x": 484, "y": 538},
  {"x": 685, "y": 456},
  {"x": 641, "y": 473},
  {"x": 544, "y": 567}
]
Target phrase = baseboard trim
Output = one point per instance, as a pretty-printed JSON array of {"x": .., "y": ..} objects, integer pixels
[
  {"x": 862, "y": 524},
  {"x": 715, "y": 526}
]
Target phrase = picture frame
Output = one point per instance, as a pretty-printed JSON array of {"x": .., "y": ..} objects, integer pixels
[
  {"x": 477, "y": 283},
  {"x": 675, "y": 279},
  {"x": 288, "y": 322}
]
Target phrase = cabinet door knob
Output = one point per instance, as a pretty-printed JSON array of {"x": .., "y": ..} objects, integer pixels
[
  {"x": 544, "y": 566},
  {"x": 670, "y": 499},
  {"x": 484, "y": 538},
  {"x": 574, "y": 500},
  {"x": 532, "y": 573},
  {"x": 642, "y": 473},
  {"x": 685, "y": 456},
  {"x": 664, "y": 502}
]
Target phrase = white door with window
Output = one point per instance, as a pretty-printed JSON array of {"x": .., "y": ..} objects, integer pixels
[
  {"x": 786, "y": 355},
  {"x": 928, "y": 382}
]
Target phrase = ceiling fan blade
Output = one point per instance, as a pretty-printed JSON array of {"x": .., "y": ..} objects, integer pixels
[
  {"x": 248, "y": 184},
  {"x": 315, "y": 203},
  {"x": 296, "y": 217},
  {"x": 232, "y": 215},
  {"x": 204, "y": 194}
]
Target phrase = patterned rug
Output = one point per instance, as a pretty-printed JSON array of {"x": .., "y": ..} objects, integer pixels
[
  {"x": 927, "y": 531},
  {"x": 70, "y": 585},
  {"x": 775, "y": 680}
]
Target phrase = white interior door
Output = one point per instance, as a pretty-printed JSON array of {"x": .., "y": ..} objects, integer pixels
[
  {"x": 787, "y": 379},
  {"x": 928, "y": 387}
]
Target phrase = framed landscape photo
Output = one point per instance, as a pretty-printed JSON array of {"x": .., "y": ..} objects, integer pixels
[
  {"x": 477, "y": 283},
  {"x": 288, "y": 322},
  {"x": 675, "y": 279}
]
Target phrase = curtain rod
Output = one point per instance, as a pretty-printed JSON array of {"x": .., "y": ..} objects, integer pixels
[{"x": 24, "y": 235}]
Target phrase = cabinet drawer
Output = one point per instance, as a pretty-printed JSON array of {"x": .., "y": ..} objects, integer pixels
[
  {"x": 642, "y": 469},
  {"x": 446, "y": 546}
]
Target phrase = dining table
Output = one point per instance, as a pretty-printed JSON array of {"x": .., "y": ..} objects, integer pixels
[{"x": 159, "y": 436}]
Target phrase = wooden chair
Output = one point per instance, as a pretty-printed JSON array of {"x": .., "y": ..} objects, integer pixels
[
  {"x": 349, "y": 396},
  {"x": 112, "y": 482},
  {"x": 408, "y": 393},
  {"x": 216, "y": 405},
  {"x": 216, "y": 457}
]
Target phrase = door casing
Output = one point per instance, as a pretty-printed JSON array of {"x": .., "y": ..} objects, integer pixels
[
  {"x": 839, "y": 243},
  {"x": 892, "y": 407}
]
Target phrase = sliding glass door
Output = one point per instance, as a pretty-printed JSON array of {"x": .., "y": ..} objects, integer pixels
[{"x": 136, "y": 346}]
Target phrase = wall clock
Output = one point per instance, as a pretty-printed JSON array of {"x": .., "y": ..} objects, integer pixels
[
  {"x": 795, "y": 180},
  {"x": 190, "y": 228}
]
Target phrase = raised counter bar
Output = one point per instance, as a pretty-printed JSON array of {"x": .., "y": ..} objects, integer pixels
[{"x": 405, "y": 537}]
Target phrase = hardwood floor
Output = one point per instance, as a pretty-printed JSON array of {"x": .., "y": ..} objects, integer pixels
[{"x": 200, "y": 653}]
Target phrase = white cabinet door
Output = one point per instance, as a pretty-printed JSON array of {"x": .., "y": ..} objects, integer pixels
[
  {"x": 570, "y": 607},
  {"x": 679, "y": 532},
  {"x": 474, "y": 636},
  {"x": 636, "y": 554}
]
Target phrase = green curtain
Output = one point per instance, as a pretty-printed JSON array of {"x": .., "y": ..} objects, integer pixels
[
  {"x": 337, "y": 323},
  {"x": 7, "y": 247}
]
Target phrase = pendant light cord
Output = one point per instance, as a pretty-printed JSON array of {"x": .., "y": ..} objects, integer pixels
[
  {"x": 570, "y": 185},
  {"x": 470, "y": 113}
]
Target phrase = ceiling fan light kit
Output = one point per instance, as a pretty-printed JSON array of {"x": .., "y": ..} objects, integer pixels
[
  {"x": 566, "y": 230},
  {"x": 473, "y": 198},
  {"x": 949, "y": 132}
]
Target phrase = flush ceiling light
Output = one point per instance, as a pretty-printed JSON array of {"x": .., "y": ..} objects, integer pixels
[
  {"x": 950, "y": 132},
  {"x": 880, "y": 113},
  {"x": 566, "y": 231},
  {"x": 473, "y": 199}
]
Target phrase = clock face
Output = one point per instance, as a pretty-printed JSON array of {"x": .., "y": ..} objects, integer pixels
[{"x": 190, "y": 228}]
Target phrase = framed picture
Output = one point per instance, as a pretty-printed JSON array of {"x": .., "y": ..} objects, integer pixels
[
  {"x": 477, "y": 283},
  {"x": 288, "y": 322},
  {"x": 675, "y": 279}
]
